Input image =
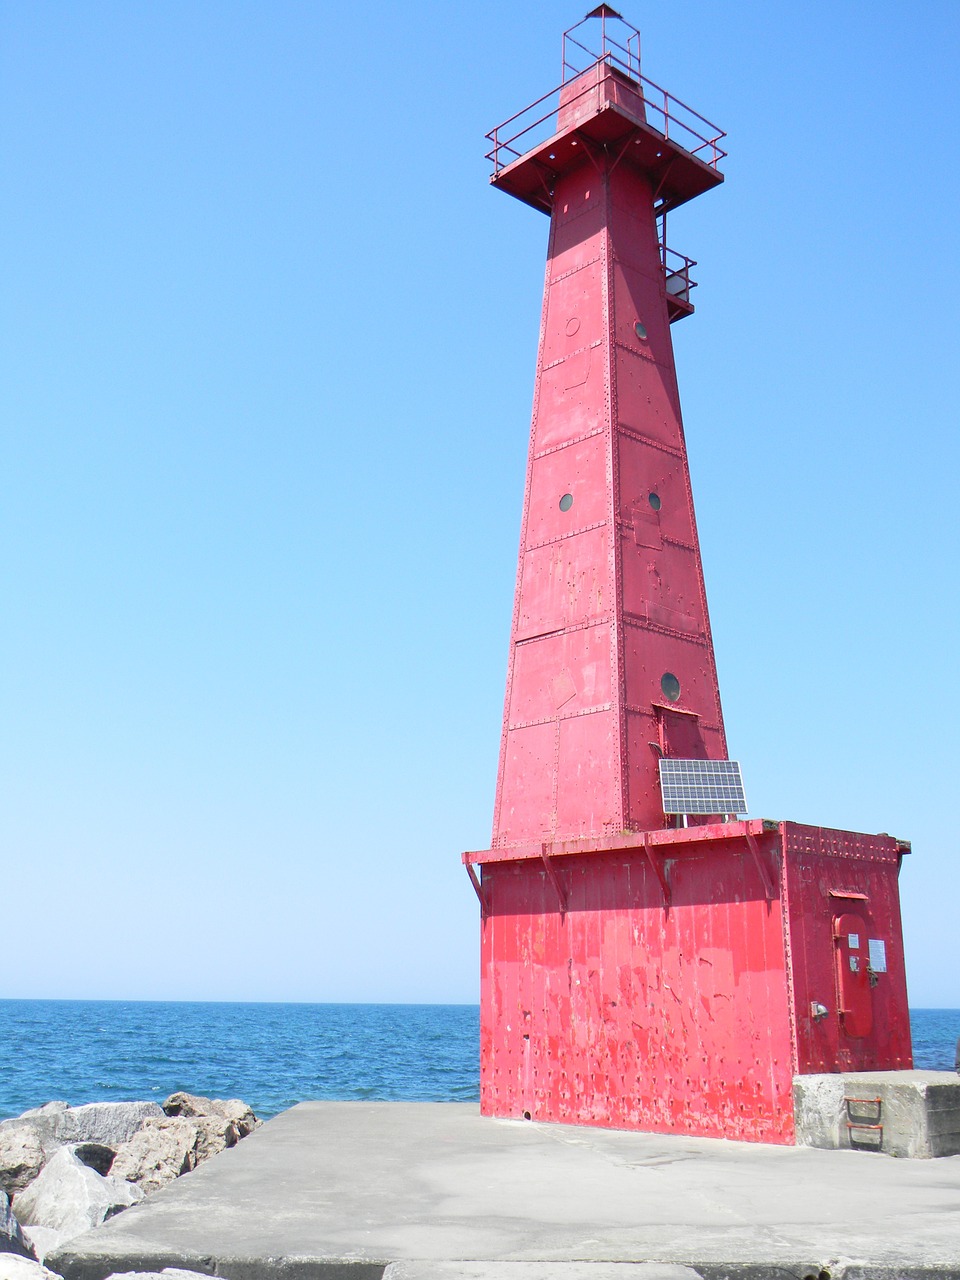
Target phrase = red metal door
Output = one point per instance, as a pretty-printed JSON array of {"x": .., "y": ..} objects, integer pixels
[{"x": 854, "y": 993}]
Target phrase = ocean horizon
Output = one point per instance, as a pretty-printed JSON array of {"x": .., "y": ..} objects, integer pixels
[{"x": 273, "y": 1054}]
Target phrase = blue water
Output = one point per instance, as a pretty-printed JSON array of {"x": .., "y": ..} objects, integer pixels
[
  {"x": 935, "y": 1033},
  {"x": 272, "y": 1055}
]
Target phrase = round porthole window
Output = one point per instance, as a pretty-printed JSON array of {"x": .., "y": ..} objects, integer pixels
[
  {"x": 640, "y": 329},
  {"x": 654, "y": 500},
  {"x": 670, "y": 686},
  {"x": 566, "y": 502}
]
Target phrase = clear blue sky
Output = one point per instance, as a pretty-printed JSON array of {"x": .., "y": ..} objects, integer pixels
[{"x": 268, "y": 348}]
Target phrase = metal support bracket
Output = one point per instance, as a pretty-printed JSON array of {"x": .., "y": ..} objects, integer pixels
[
  {"x": 658, "y": 871},
  {"x": 596, "y": 153},
  {"x": 663, "y": 177},
  {"x": 554, "y": 880},
  {"x": 546, "y": 176},
  {"x": 621, "y": 153},
  {"x": 478, "y": 890},
  {"x": 768, "y": 885}
]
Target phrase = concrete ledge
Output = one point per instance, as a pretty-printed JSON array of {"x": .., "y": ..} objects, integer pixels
[
  {"x": 539, "y": 1271},
  {"x": 434, "y": 1191},
  {"x": 93, "y": 1265},
  {"x": 915, "y": 1114}
]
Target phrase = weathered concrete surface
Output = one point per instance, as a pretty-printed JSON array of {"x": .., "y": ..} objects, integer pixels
[
  {"x": 919, "y": 1112},
  {"x": 338, "y": 1190},
  {"x": 538, "y": 1271}
]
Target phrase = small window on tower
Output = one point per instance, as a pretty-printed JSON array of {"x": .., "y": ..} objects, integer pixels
[
  {"x": 566, "y": 502},
  {"x": 641, "y": 330},
  {"x": 670, "y": 686}
]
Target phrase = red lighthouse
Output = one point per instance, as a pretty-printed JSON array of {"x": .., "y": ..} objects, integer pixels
[{"x": 650, "y": 958}]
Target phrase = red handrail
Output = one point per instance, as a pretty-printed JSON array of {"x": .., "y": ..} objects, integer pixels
[{"x": 670, "y": 110}]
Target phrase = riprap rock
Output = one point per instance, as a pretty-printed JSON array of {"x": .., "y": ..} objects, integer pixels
[{"x": 69, "y": 1197}]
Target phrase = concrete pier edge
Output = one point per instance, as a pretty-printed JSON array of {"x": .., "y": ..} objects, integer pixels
[
  {"x": 434, "y": 1191},
  {"x": 90, "y": 1268}
]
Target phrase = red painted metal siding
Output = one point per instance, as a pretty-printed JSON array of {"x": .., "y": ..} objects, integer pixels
[
  {"x": 610, "y": 593},
  {"x": 624, "y": 1012},
  {"x": 831, "y": 874},
  {"x": 671, "y": 987}
]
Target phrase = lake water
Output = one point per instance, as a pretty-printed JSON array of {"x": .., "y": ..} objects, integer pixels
[{"x": 272, "y": 1055}]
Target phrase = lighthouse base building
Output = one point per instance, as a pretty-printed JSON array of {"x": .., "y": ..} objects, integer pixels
[{"x": 678, "y": 981}]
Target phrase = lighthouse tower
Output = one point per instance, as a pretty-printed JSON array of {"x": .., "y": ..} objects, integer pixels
[
  {"x": 651, "y": 958},
  {"x": 611, "y": 661}
]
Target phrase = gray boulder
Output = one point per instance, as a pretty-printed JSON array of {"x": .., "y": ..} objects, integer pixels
[
  {"x": 28, "y": 1141},
  {"x": 163, "y": 1149},
  {"x": 187, "y": 1104},
  {"x": 69, "y": 1198},
  {"x": 48, "y": 1109},
  {"x": 42, "y": 1240},
  {"x": 13, "y": 1268},
  {"x": 107, "y": 1123},
  {"x": 233, "y": 1109},
  {"x": 11, "y": 1236},
  {"x": 136, "y": 1142},
  {"x": 158, "y": 1152},
  {"x": 214, "y": 1134},
  {"x": 21, "y": 1156}
]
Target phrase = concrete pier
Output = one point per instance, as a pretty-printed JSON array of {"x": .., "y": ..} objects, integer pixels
[{"x": 342, "y": 1191}]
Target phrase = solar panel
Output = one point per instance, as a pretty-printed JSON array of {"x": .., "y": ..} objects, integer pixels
[{"x": 701, "y": 786}]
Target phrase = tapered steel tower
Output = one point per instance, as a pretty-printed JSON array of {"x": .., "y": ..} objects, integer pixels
[
  {"x": 636, "y": 966},
  {"x": 611, "y": 661}
]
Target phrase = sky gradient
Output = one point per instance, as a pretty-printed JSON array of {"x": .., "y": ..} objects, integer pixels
[{"x": 268, "y": 351}]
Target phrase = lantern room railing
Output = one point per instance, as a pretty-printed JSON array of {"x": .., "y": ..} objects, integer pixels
[
  {"x": 582, "y": 52},
  {"x": 607, "y": 24},
  {"x": 665, "y": 114}
]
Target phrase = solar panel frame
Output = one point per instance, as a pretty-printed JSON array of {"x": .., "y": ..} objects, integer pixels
[{"x": 701, "y": 786}]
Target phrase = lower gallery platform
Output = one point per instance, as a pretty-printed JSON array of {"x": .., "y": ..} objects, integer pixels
[{"x": 675, "y": 981}]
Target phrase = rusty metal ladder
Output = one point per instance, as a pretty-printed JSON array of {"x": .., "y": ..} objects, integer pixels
[{"x": 864, "y": 1125}]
